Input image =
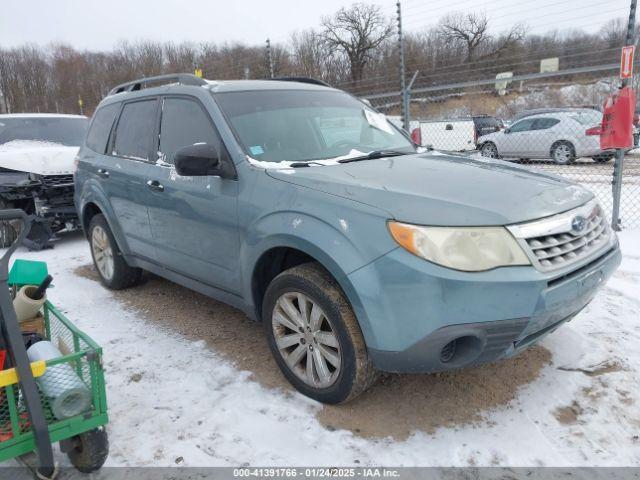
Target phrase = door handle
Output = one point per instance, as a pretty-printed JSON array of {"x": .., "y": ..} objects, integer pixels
[
  {"x": 103, "y": 173},
  {"x": 155, "y": 185}
]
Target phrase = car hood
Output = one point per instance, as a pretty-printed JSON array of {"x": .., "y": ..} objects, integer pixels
[
  {"x": 37, "y": 157},
  {"x": 437, "y": 189}
]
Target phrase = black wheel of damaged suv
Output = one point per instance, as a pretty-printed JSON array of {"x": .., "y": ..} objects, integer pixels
[
  {"x": 8, "y": 231},
  {"x": 8, "y": 234},
  {"x": 314, "y": 336},
  {"x": 108, "y": 259}
]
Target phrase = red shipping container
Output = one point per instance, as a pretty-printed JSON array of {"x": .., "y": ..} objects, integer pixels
[{"x": 617, "y": 120}]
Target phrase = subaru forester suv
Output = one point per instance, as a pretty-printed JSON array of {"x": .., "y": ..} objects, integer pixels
[{"x": 305, "y": 208}]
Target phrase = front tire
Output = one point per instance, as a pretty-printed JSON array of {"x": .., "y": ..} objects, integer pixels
[
  {"x": 489, "y": 150},
  {"x": 563, "y": 153},
  {"x": 314, "y": 336},
  {"x": 112, "y": 268}
]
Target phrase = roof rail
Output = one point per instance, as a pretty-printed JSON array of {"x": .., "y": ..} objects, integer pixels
[
  {"x": 181, "y": 78},
  {"x": 312, "y": 81}
]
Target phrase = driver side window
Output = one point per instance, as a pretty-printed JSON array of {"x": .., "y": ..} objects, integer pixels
[
  {"x": 184, "y": 123},
  {"x": 522, "y": 126}
]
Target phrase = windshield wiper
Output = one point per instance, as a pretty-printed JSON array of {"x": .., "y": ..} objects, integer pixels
[
  {"x": 373, "y": 155},
  {"x": 304, "y": 164}
]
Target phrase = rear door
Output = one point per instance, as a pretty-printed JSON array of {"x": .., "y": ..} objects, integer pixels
[
  {"x": 193, "y": 219},
  {"x": 125, "y": 174}
]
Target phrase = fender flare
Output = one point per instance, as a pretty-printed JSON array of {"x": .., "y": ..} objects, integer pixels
[{"x": 316, "y": 239}]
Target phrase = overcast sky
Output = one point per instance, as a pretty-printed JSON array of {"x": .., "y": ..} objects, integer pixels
[{"x": 97, "y": 25}]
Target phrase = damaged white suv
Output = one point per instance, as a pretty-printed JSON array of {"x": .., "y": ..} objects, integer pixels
[{"x": 36, "y": 172}]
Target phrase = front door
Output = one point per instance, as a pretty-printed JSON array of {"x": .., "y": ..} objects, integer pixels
[
  {"x": 517, "y": 143},
  {"x": 193, "y": 219}
]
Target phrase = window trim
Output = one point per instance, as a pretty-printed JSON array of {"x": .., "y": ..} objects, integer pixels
[{"x": 112, "y": 137}]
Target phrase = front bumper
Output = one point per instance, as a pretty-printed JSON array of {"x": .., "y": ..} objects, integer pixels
[{"x": 411, "y": 311}]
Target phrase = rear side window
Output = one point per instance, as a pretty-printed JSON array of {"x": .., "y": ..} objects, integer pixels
[
  {"x": 100, "y": 129},
  {"x": 134, "y": 133},
  {"x": 544, "y": 123},
  {"x": 184, "y": 123}
]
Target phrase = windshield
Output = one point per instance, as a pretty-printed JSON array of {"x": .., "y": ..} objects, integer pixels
[
  {"x": 303, "y": 125},
  {"x": 65, "y": 131}
]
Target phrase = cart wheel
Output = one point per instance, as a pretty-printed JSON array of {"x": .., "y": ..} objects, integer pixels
[{"x": 90, "y": 450}]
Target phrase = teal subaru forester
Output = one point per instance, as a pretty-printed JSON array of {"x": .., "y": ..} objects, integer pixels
[{"x": 305, "y": 208}]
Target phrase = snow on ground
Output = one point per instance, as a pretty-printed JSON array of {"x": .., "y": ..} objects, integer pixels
[{"x": 175, "y": 402}]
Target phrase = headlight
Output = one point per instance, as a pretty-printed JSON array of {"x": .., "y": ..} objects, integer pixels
[{"x": 472, "y": 249}]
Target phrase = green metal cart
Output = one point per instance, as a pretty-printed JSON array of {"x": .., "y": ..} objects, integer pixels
[{"x": 82, "y": 437}]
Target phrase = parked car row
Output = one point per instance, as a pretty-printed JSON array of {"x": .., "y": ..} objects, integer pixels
[{"x": 308, "y": 210}]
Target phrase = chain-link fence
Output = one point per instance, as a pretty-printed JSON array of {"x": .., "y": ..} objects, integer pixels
[{"x": 547, "y": 127}]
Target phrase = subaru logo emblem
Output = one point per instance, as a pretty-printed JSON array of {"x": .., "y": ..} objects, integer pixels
[{"x": 578, "y": 224}]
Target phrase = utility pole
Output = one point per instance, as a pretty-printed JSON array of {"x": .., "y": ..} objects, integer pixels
[
  {"x": 403, "y": 81},
  {"x": 619, "y": 162},
  {"x": 269, "y": 58}
]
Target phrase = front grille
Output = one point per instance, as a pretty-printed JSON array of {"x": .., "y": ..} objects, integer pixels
[
  {"x": 53, "y": 181},
  {"x": 564, "y": 239}
]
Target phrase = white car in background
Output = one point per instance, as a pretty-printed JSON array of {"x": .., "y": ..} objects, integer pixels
[{"x": 561, "y": 136}]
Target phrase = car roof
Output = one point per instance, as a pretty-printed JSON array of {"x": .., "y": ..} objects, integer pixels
[
  {"x": 559, "y": 113},
  {"x": 40, "y": 115},
  {"x": 223, "y": 86}
]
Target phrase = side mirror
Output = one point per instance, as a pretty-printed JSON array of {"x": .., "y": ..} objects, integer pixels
[
  {"x": 507, "y": 130},
  {"x": 197, "y": 160}
]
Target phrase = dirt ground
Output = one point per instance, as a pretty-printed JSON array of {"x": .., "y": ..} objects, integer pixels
[{"x": 396, "y": 405}]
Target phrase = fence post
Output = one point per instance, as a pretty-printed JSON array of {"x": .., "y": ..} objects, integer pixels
[
  {"x": 403, "y": 87},
  {"x": 618, "y": 167},
  {"x": 269, "y": 58}
]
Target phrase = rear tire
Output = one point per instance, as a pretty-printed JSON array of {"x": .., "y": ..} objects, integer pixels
[
  {"x": 112, "y": 268},
  {"x": 314, "y": 336},
  {"x": 90, "y": 450},
  {"x": 602, "y": 158},
  {"x": 563, "y": 153}
]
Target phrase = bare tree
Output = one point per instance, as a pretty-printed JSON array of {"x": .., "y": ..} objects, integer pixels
[
  {"x": 357, "y": 33},
  {"x": 472, "y": 31}
]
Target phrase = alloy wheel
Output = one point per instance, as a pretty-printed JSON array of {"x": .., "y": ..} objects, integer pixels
[
  {"x": 489, "y": 150},
  {"x": 102, "y": 252},
  {"x": 562, "y": 153},
  {"x": 306, "y": 340}
]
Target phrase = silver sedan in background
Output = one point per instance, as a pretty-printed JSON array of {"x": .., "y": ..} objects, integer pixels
[{"x": 560, "y": 136}]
